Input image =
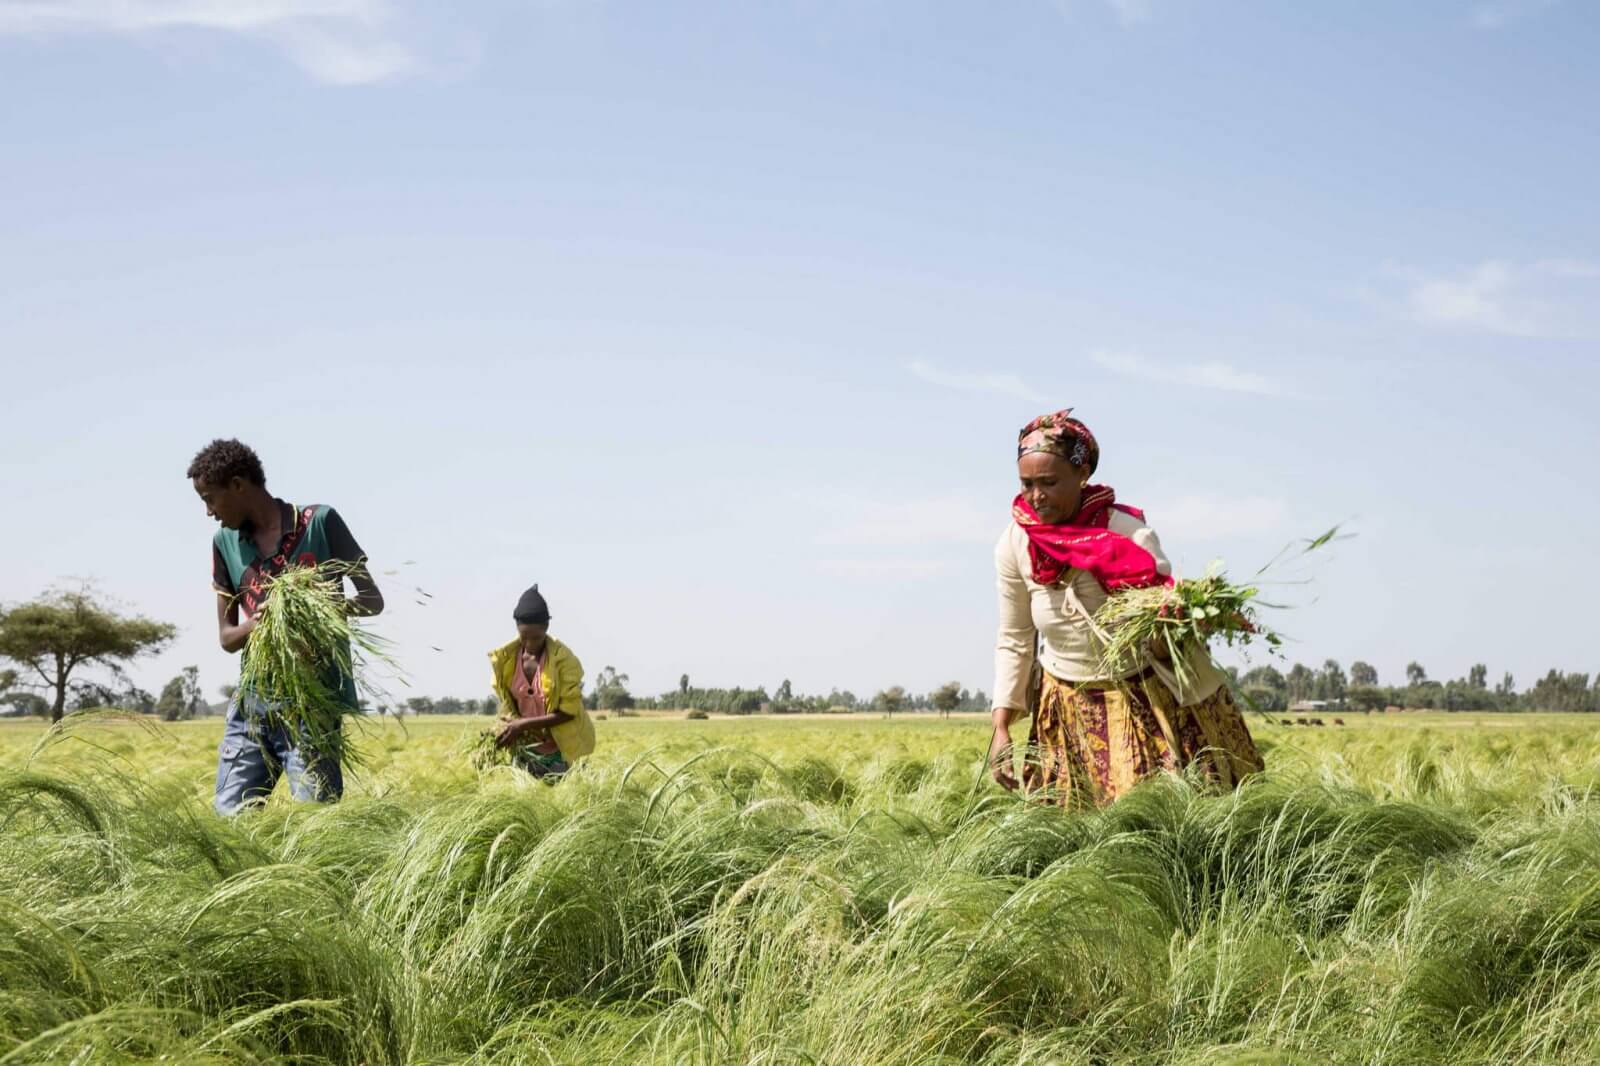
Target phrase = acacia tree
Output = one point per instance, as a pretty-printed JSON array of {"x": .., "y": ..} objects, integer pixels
[
  {"x": 62, "y": 630},
  {"x": 947, "y": 698},
  {"x": 891, "y": 699}
]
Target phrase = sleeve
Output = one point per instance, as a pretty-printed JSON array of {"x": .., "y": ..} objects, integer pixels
[
  {"x": 569, "y": 694},
  {"x": 341, "y": 544},
  {"x": 221, "y": 581},
  {"x": 1016, "y": 639},
  {"x": 1144, "y": 537},
  {"x": 508, "y": 704}
]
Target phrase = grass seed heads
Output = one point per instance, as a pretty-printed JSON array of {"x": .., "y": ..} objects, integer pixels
[{"x": 306, "y": 651}]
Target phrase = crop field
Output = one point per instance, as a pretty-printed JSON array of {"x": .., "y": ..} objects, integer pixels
[{"x": 1402, "y": 889}]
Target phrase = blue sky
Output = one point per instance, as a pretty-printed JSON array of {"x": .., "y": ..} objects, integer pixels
[{"x": 718, "y": 319}]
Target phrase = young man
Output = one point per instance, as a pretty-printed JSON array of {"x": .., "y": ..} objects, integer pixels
[{"x": 262, "y": 535}]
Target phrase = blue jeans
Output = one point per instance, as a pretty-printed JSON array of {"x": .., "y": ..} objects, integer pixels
[{"x": 257, "y": 749}]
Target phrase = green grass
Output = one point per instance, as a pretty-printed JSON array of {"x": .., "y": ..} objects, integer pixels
[{"x": 1403, "y": 889}]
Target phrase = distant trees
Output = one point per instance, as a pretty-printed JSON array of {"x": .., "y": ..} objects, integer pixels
[
  {"x": 181, "y": 696},
  {"x": 1265, "y": 688},
  {"x": 1363, "y": 674},
  {"x": 611, "y": 690},
  {"x": 890, "y": 700},
  {"x": 946, "y": 698},
  {"x": 53, "y": 636}
]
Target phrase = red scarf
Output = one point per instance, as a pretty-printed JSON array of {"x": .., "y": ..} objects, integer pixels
[{"x": 1087, "y": 543}]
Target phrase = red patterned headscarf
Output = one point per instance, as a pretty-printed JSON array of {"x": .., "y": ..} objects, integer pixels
[
  {"x": 1086, "y": 542},
  {"x": 1060, "y": 434}
]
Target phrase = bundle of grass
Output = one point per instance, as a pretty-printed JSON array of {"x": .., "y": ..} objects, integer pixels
[
  {"x": 1176, "y": 619},
  {"x": 485, "y": 753},
  {"x": 304, "y": 654},
  {"x": 1179, "y": 620}
]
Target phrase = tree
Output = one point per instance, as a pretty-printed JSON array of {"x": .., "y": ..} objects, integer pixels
[
  {"x": 1331, "y": 681},
  {"x": 785, "y": 693},
  {"x": 683, "y": 688},
  {"x": 1301, "y": 682},
  {"x": 891, "y": 699},
  {"x": 611, "y": 690},
  {"x": 191, "y": 691},
  {"x": 1265, "y": 688},
  {"x": 170, "y": 703},
  {"x": 947, "y": 698},
  {"x": 1415, "y": 674},
  {"x": 1363, "y": 674},
  {"x": 61, "y": 631},
  {"x": 1478, "y": 676}
]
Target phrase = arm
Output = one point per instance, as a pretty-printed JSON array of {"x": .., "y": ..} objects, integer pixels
[
  {"x": 367, "y": 601},
  {"x": 1013, "y": 658},
  {"x": 231, "y": 632}
]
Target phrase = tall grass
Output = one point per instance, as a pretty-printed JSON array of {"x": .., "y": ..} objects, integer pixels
[{"x": 821, "y": 893}]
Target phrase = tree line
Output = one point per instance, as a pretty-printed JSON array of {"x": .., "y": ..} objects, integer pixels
[
  {"x": 1361, "y": 689},
  {"x": 50, "y": 640}
]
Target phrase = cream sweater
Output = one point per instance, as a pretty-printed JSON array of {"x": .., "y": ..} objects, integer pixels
[{"x": 1054, "y": 620}]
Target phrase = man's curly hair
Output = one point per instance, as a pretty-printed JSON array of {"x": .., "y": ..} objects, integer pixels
[{"x": 222, "y": 460}]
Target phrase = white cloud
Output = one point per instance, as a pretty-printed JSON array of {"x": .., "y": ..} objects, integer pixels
[
  {"x": 998, "y": 384},
  {"x": 940, "y": 520},
  {"x": 1192, "y": 518},
  {"x": 1540, "y": 299},
  {"x": 1492, "y": 16},
  {"x": 1208, "y": 375},
  {"x": 342, "y": 42}
]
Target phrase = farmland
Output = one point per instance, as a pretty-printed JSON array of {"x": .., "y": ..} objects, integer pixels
[{"x": 1402, "y": 889}]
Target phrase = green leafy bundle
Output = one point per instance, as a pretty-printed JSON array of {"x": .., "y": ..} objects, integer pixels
[
  {"x": 1176, "y": 620},
  {"x": 304, "y": 650}
]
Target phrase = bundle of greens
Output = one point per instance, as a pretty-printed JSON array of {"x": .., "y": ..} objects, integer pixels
[
  {"x": 1174, "y": 620},
  {"x": 485, "y": 753},
  {"x": 305, "y": 653}
]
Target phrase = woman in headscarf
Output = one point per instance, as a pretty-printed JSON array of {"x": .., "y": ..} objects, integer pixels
[
  {"x": 540, "y": 685},
  {"x": 1070, "y": 545}
]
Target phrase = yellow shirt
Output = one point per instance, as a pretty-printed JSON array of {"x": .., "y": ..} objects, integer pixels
[{"x": 562, "y": 680}]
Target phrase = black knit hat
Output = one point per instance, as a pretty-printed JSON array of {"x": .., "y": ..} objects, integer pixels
[{"x": 531, "y": 609}]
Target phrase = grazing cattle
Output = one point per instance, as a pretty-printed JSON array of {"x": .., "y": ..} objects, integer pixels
[
  {"x": 1301, "y": 721},
  {"x": 1316, "y": 721},
  {"x": 1338, "y": 721},
  {"x": 1285, "y": 721}
]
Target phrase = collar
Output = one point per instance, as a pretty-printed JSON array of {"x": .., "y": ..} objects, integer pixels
[{"x": 247, "y": 531}]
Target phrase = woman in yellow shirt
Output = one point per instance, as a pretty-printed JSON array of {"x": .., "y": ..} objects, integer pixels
[{"x": 540, "y": 685}]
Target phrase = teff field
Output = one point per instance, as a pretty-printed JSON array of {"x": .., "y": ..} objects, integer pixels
[{"x": 1402, "y": 889}]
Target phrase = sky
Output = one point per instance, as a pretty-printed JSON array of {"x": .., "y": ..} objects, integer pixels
[{"x": 718, "y": 319}]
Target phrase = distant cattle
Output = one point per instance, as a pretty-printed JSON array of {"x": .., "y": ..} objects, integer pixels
[
  {"x": 1338, "y": 721},
  {"x": 1285, "y": 721},
  {"x": 1316, "y": 721},
  {"x": 1301, "y": 721}
]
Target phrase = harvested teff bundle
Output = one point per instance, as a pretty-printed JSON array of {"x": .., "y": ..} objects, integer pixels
[{"x": 303, "y": 656}]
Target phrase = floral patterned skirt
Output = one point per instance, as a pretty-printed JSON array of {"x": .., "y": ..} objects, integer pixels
[{"x": 1091, "y": 742}]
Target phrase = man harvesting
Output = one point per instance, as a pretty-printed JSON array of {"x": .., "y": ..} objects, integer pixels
[{"x": 261, "y": 537}]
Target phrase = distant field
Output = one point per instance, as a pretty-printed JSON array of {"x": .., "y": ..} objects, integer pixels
[{"x": 1400, "y": 889}]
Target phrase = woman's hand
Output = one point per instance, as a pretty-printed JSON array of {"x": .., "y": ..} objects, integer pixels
[
  {"x": 1000, "y": 761},
  {"x": 510, "y": 732}
]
